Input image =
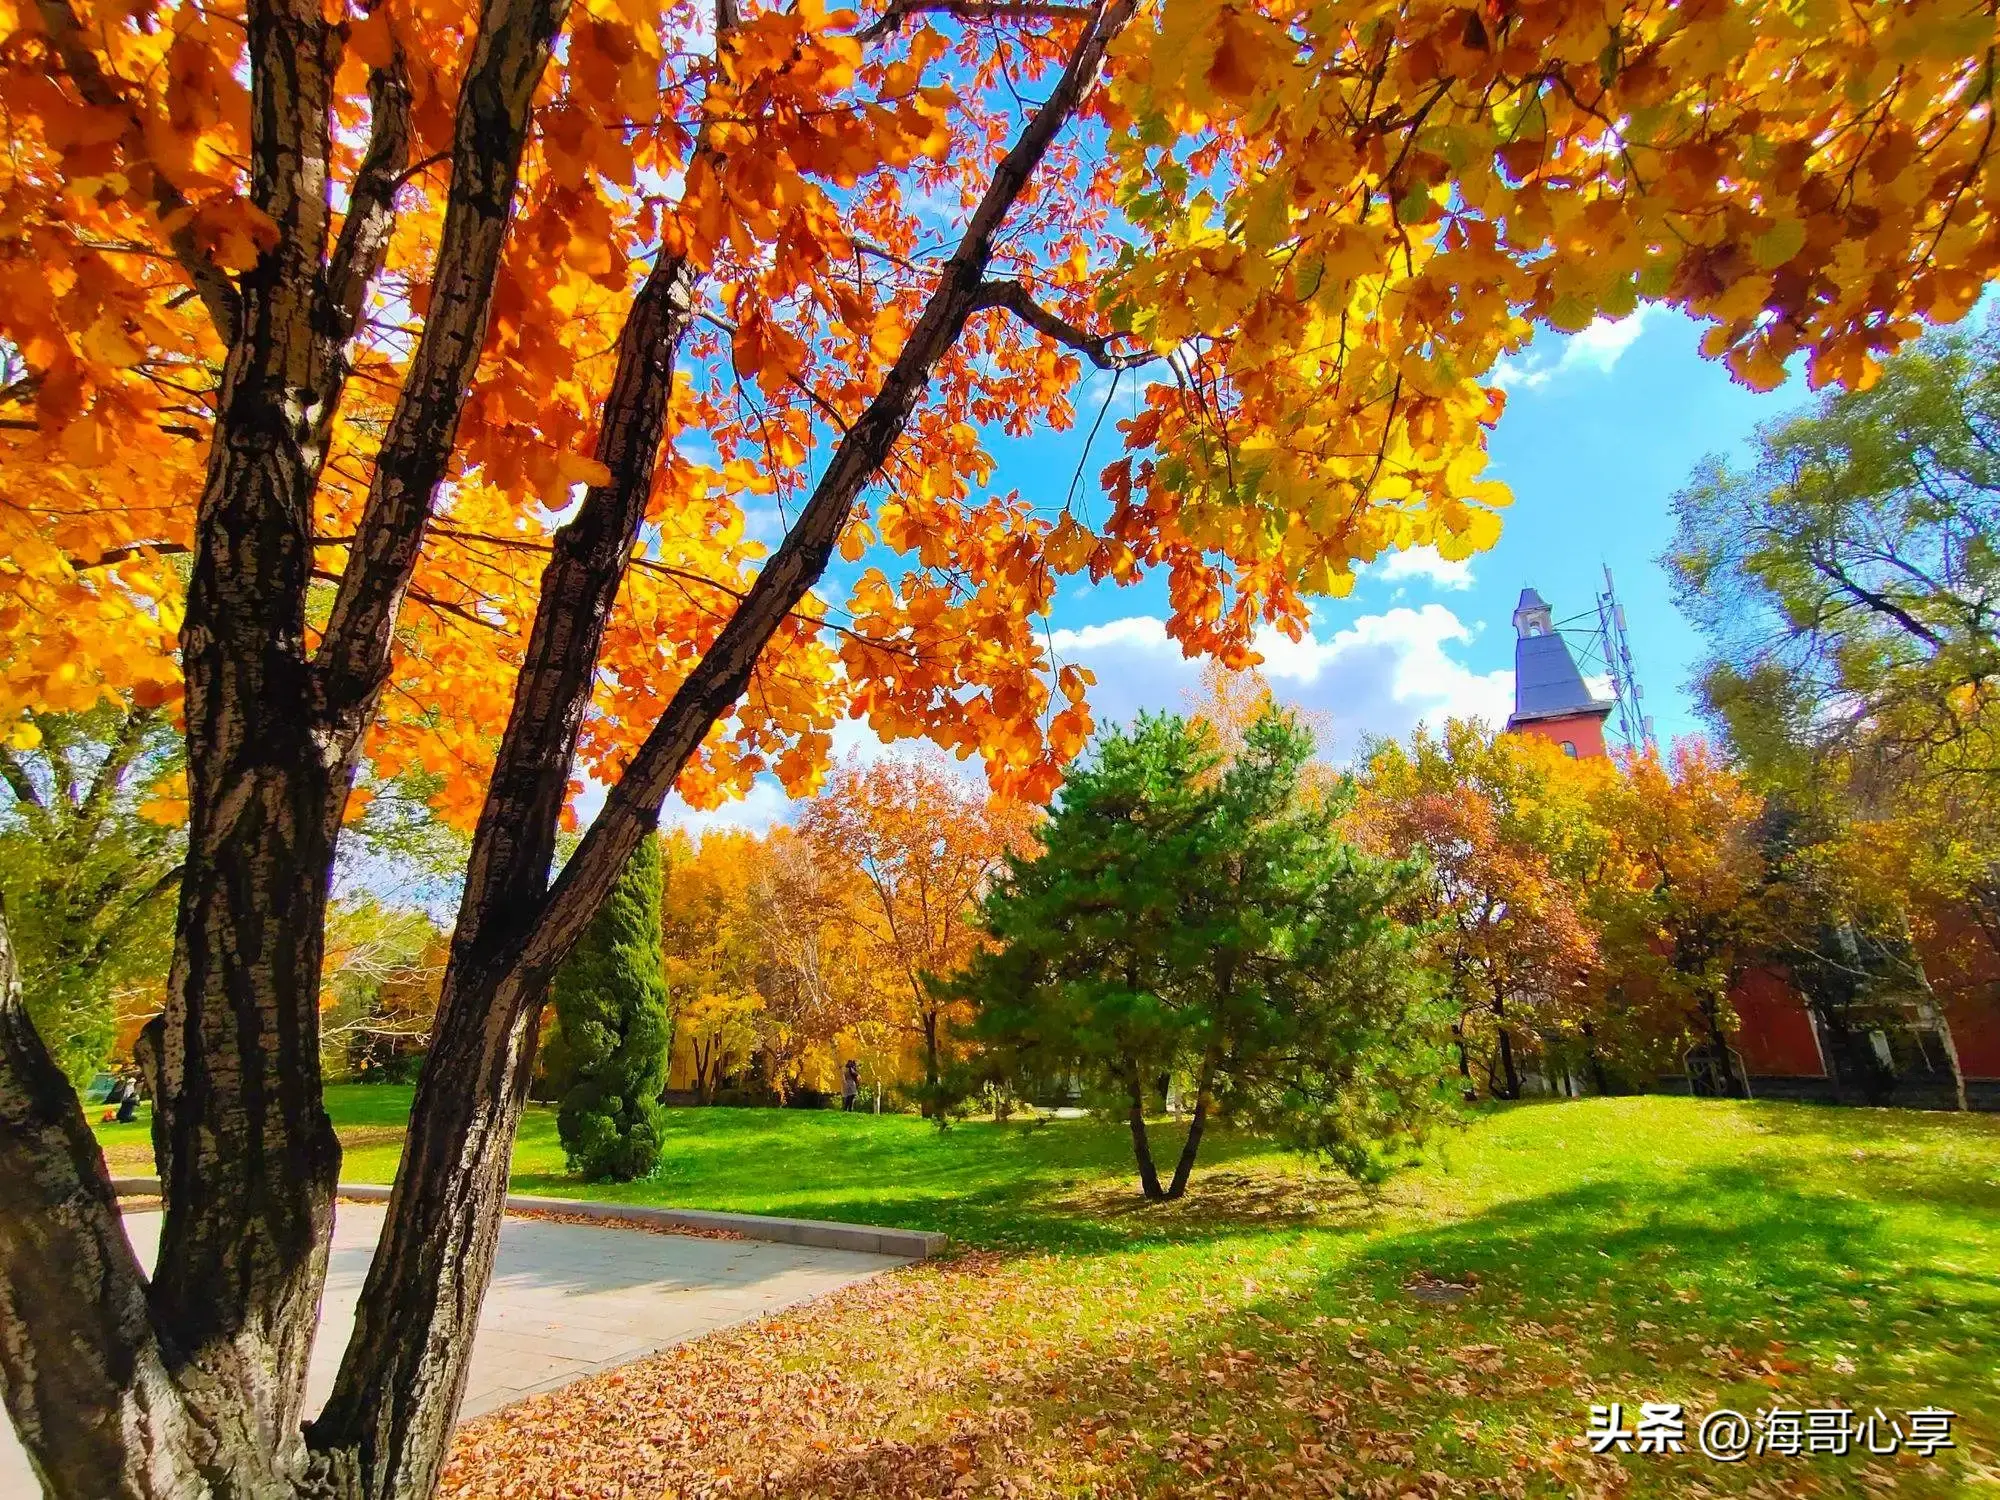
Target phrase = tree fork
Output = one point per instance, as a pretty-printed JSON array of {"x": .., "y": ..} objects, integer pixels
[
  {"x": 400, "y": 1383},
  {"x": 248, "y": 1157},
  {"x": 1184, "y": 1168}
]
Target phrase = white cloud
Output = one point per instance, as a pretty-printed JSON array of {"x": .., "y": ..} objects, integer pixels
[
  {"x": 1604, "y": 342},
  {"x": 1522, "y": 375},
  {"x": 1424, "y": 563},
  {"x": 1598, "y": 347},
  {"x": 764, "y": 805},
  {"x": 1381, "y": 675}
]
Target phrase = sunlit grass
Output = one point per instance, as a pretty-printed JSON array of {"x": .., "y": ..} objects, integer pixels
[{"x": 1717, "y": 1254}]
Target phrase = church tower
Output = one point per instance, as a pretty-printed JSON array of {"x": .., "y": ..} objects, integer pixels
[{"x": 1550, "y": 697}]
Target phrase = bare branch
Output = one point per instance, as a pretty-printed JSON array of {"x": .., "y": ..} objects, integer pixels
[
  {"x": 975, "y": 10},
  {"x": 1015, "y": 298}
]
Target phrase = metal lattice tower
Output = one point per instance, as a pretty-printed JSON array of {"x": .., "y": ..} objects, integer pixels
[
  {"x": 1599, "y": 640},
  {"x": 1634, "y": 727}
]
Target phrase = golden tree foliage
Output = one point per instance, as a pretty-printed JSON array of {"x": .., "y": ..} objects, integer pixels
[
  {"x": 818, "y": 989},
  {"x": 709, "y": 947},
  {"x": 1348, "y": 212},
  {"x": 777, "y": 162},
  {"x": 768, "y": 959},
  {"x": 911, "y": 848},
  {"x": 1330, "y": 221}
]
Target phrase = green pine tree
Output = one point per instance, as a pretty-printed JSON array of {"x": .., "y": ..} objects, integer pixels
[
  {"x": 1209, "y": 920},
  {"x": 611, "y": 1013}
]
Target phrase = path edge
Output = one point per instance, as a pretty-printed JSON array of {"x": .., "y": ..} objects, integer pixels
[{"x": 822, "y": 1234}]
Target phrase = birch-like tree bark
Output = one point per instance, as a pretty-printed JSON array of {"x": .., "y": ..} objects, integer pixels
[{"x": 192, "y": 1383}]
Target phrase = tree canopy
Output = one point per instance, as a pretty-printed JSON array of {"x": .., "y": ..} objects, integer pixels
[
  {"x": 1509, "y": 844},
  {"x": 912, "y": 847},
  {"x": 90, "y": 855},
  {"x": 1848, "y": 582},
  {"x": 1311, "y": 237}
]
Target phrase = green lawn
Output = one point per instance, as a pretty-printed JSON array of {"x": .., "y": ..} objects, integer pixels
[
  {"x": 1044, "y": 1184},
  {"x": 1265, "y": 1332}
]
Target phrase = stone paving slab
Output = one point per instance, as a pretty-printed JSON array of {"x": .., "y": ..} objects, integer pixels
[{"x": 567, "y": 1300}]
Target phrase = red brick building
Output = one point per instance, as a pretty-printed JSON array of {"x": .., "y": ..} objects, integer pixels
[{"x": 1779, "y": 1048}]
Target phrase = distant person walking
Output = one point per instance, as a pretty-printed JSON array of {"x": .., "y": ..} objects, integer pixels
[{"x": 850, "y": 1084}]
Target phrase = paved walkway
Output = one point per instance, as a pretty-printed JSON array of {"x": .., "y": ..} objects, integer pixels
[{"x": 567, "y": 1300}]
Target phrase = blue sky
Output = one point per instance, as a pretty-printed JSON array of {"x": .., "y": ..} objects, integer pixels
[{"x": 1601, "y": 428}]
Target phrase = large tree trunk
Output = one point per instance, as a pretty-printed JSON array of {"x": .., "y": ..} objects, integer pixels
[
  {"x": 1733, "y": 1086},
  {"x": 214, "y": 1373},
  {"x": 246, "y": 1153},
  {"x": 197, "y": 1389},
  {"x": 931, "y": 1104},
  {"x": 1597, "y": 1075}
]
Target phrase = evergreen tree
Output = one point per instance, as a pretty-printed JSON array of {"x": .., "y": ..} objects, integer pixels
[
  {"x": 1210, "y": 920},
  {"x": 611, "y": 1014}
]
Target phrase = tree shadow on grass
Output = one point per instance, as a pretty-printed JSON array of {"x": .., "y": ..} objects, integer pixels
[
  {"x": 1068, "y": 1187},
  {"x": 1698, "y": 1282},
  {"x": 1948, "y": 1161},
  {"x": 1678, "y": 1287}
]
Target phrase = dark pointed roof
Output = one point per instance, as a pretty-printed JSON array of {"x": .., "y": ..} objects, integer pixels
[{"x": 1547, "y": 684}]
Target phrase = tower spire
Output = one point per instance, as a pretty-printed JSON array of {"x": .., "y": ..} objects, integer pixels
[{"x": 1551, "y": 698}]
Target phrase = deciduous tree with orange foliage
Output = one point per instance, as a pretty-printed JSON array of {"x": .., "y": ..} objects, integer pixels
[
  {"x": 1686, "y": 912},
  {"x": 390, "y": 382},
  {"x": 1503, "y": 829},
  {"x": 915, "y": 847}
]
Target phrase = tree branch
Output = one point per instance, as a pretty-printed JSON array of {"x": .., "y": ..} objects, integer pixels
[
  {"x": 975, "y": 10},
  {"x": 364, "y": 234},
  {"x": 1013, "y": 297},
  {"x": 494, "y": 107},
  {"x": 719, "y": 678}
]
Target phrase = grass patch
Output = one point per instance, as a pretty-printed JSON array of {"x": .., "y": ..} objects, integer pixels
[{"x": 1273, "y": 1333}]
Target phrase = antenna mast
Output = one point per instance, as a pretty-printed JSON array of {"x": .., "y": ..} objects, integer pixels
[{"x": 1635, "y": 729}]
